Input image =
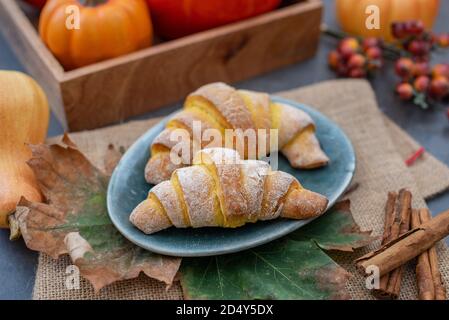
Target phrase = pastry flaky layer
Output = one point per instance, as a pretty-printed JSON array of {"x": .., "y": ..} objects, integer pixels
[
  {"x": 221, "y": 107},
  {"x": 221, "y": 190}
]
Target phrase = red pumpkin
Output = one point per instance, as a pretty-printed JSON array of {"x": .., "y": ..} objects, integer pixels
[
  {"x": 37, "y": 3},
  {"x": 178, "y": 18}
]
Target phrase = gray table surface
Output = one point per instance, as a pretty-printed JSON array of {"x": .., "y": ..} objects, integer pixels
[{"x": 430, "y": 128}]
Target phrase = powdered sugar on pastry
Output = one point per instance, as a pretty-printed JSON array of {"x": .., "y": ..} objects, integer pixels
[
  {"x": 254, "y": 174},
  {"x": 220, "y": 190},
  {"x": 166, "y": 194},
  {"x": 276, "y": 187},
  {"x": 197, "y": 187}
]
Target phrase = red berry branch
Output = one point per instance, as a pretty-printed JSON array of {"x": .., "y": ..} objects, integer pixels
[{"x": 357, "y": 57}]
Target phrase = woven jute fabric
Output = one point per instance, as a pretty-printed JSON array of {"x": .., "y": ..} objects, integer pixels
[
  {"x": 380, "y": 147},
  {"x": 431, "y": 175}
]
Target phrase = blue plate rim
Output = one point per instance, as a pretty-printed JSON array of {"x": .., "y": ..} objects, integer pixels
[{"x": 248, "y": 244}]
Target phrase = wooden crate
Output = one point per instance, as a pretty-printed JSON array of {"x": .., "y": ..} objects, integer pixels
[{"x": 116, "y": 89}]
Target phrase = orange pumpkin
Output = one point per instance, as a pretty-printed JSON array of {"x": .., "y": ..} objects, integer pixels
[
  {"x": 352, "y": 15},
  {"x": 107, "y": 29}
]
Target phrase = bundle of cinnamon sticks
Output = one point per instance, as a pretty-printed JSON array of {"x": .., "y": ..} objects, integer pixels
[{"x": 400, "y": 245}]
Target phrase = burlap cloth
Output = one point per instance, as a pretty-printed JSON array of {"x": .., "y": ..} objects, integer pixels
[{"x": 380, "y": 146}]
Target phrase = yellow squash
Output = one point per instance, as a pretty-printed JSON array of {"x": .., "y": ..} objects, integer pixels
[{"x": 24, "y": 117}]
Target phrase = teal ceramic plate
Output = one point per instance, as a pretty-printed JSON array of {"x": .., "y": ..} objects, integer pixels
[{"x": 128, "y": 188}]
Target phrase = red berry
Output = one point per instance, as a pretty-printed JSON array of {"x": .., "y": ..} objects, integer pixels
[
  {"x": 443, "y": 40},
  {"x": 334, "y": 59},
  {"x": 342, "y": 70},
  {"x": 419, "y": 48},
  {"x": 421, "y": 84},
  {"x": 348, "y": 47},
  {"x": 439, "y": 87},
  {"x": 356, "y": 61},
  {"x": 351, "y": 42},
  {"x": 414, "y": 27},
  {"x": 370, "y": 42},
  {"x": 357, "y": 73},
  {"x": 398, "y": 30},
  {"x": 404, "y": 67},
  {"x": 441, "y": 69},
  {"x": 374, "y": 53},
  {"x": 346, "y": 52},
  {"x": 405, "y": 91},
  {"x": 421, "y": 69}
]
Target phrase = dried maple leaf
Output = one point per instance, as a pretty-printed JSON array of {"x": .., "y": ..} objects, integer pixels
[
  {"x": 112, "y": 158},
  {"x": 75, "y": 220}
]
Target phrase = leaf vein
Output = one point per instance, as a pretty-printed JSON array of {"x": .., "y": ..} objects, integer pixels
[
  {"x": 275, "y": 269},
  {"x": 219, "y": 277}
]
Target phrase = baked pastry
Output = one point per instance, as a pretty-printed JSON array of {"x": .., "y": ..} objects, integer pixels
[
  {"x": 221, "y": 190},
  {"x": 221, "y": 107}
]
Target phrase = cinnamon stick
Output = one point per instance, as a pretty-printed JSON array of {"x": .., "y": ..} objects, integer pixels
[
  {"x": 408, "y": 246},
  {"x": 390, "y": 215},
  {"x": 426, "y": 289},
  {"x": 404, "y": 210},
  {"x": 430, "y": 285},
  {"x": 397, "y": 221}
]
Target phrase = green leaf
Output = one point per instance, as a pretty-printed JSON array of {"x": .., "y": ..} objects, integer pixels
[
  {"x": 294, "y": 267},
  {"x": 335, "y": 230},
  {"x": 75, "y": 220}
]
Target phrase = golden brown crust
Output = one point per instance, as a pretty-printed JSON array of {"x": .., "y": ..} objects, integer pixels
[
  {"x": 222, "y": 190},
  {"x": 261, "y": 104},
  {"x": 258, "y": 104},
  {"x": 160, "y": 168},
  {"x": 231, "y": 185},
  {"x": 166, "y": 194},
  {"x": 148, "y": 219},
  {"x": 254, "y": 174},
  {"x": 304, "y": 151},
  {"x": 198, "y": 190},
  {"x": 219, "y": 106},
  {"x": 228, "y": 102},
  {"x": 187, "y": 118},
  {"x": 293, "y": 120},
  {"x": 276, "y": 187},
  {"x": 164, "y": 139},
  {"x": 303, "y": 204},
  {"x": 230, "y": 179}
]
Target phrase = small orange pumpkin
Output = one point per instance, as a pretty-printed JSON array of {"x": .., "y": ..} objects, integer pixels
[
  {"x": 107, "y": 29},
  {"x": 352, "y": 15}
]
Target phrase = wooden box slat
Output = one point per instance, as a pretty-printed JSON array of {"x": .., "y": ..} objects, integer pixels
[{"x": 114, "y": 90}]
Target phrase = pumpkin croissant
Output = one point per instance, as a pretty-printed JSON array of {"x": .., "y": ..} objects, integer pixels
[
  {"x": 219, "y": 106},
  {"x": 220, "y": 190}
]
